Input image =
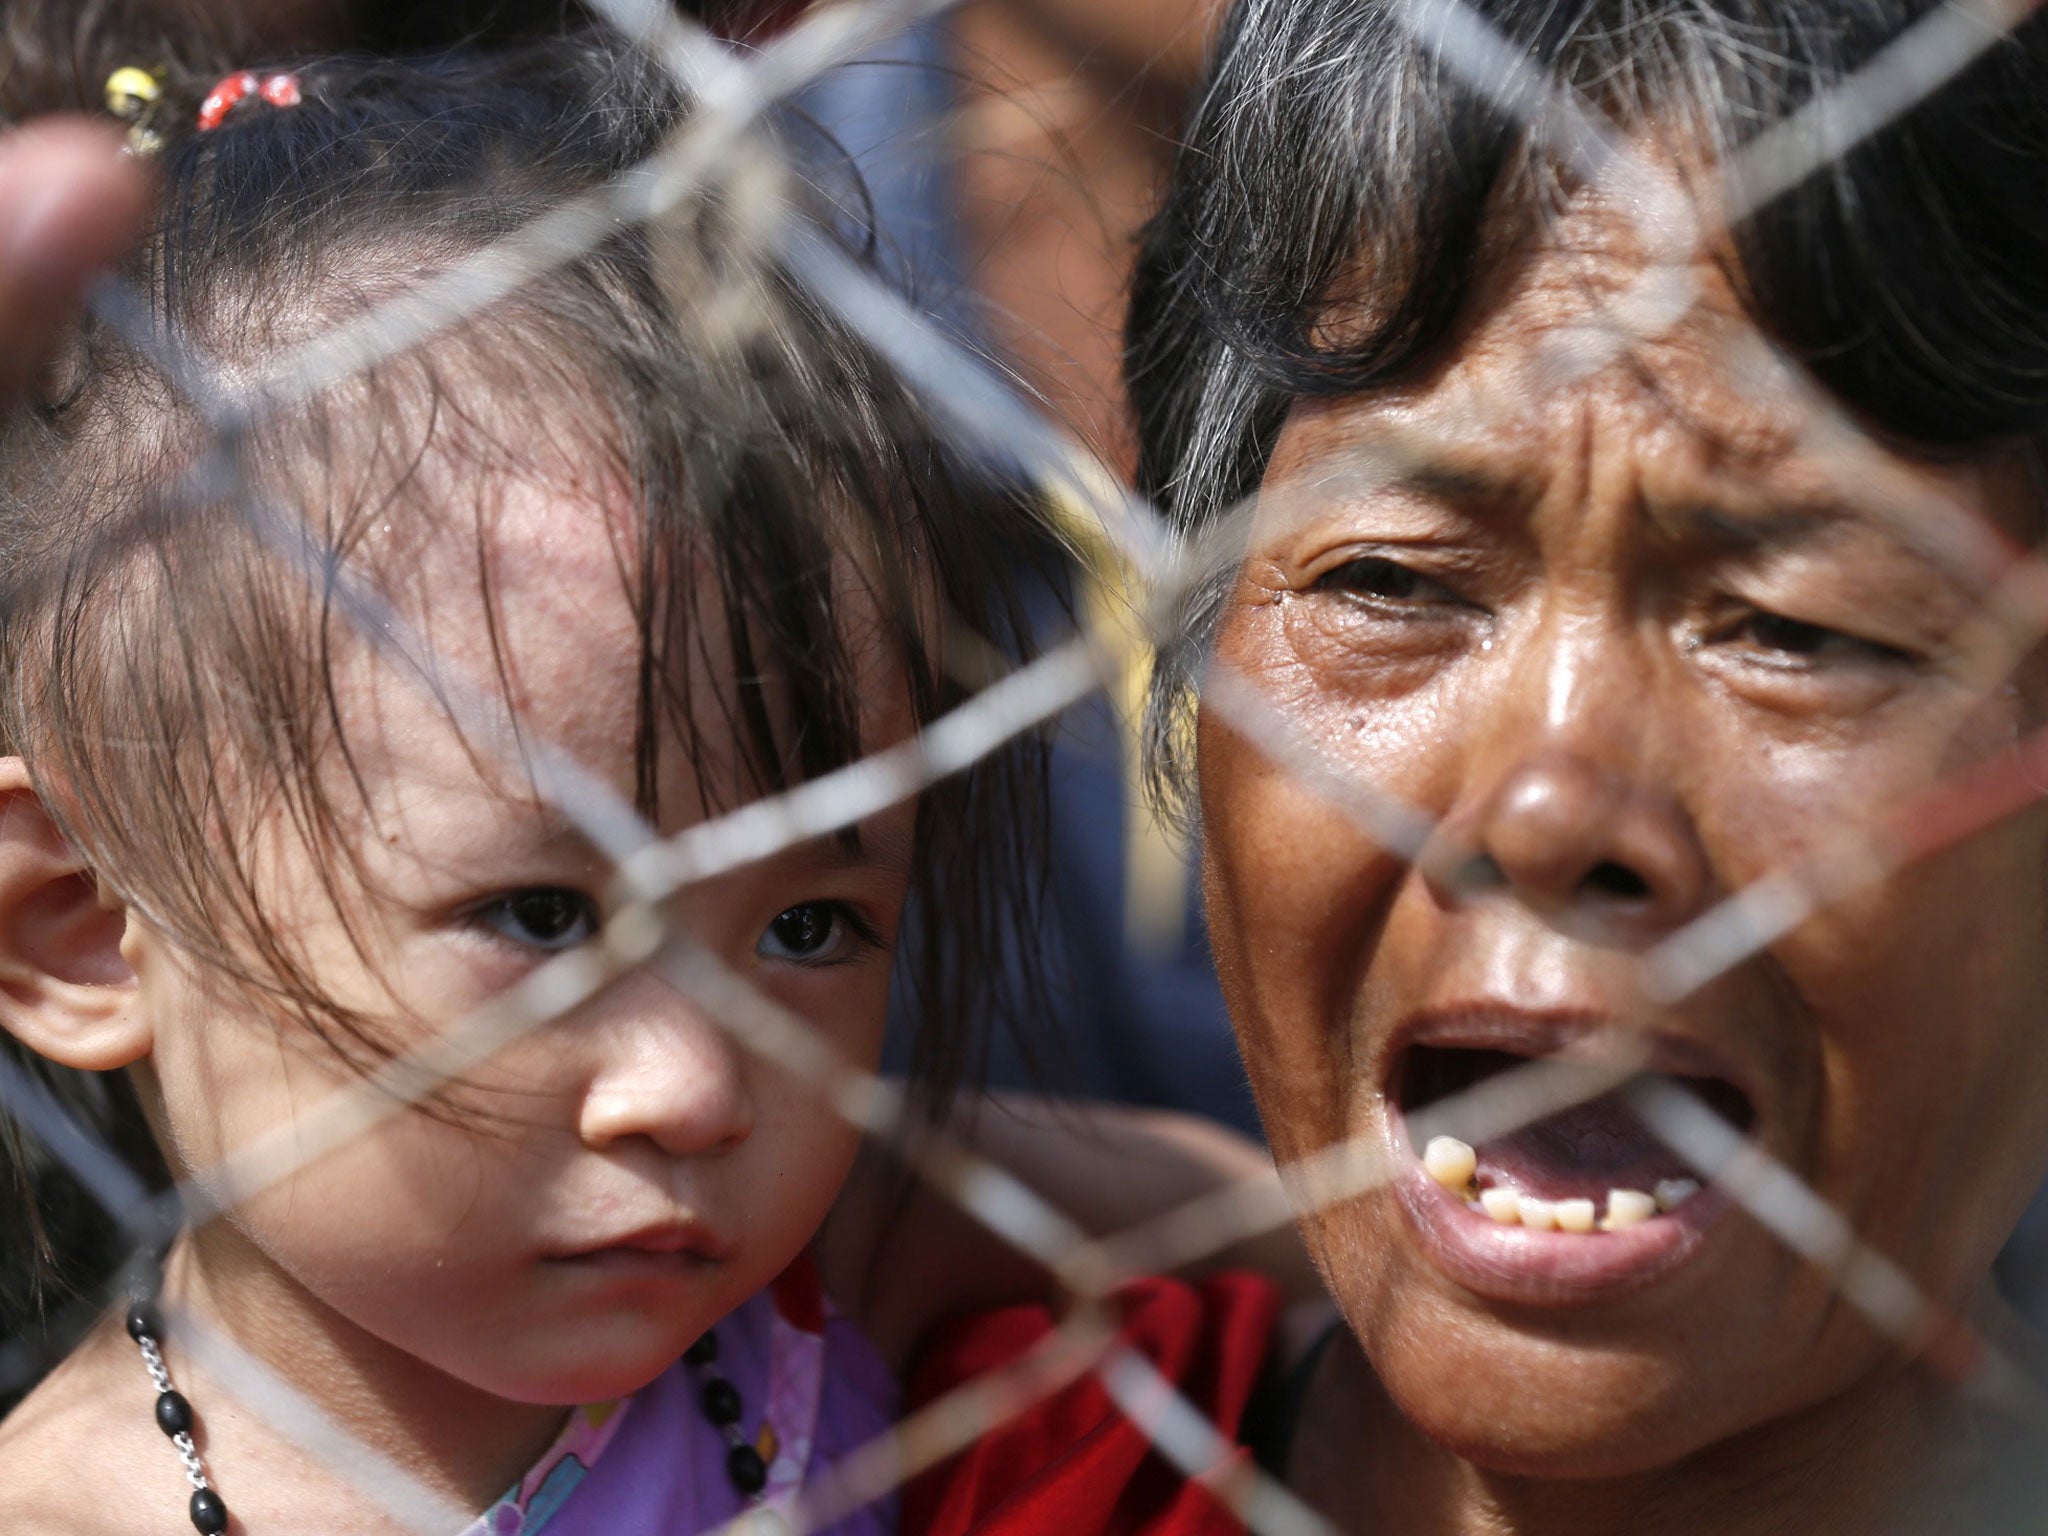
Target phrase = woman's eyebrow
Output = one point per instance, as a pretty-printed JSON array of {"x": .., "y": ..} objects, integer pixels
[
  {"x": 1725, "y": 530},
  {"x": 1728, "y": 528},
  {"x": 1460, "y": 484},
  {"x": 1464, "y": 483},
  {"x": 1739, "y": 526}
]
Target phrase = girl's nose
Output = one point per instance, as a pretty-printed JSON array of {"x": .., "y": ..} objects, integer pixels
[{"x": 674, "y": 1079}]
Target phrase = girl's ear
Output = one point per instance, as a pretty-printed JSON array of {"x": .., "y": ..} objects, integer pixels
[{"x": 65, "y": 991}]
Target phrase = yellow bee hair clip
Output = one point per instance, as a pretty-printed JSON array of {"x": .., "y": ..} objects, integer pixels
[{"x": 133, "y": 94}]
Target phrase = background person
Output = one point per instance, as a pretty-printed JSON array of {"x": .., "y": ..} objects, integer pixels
[{"x": 1014, "y": 150}]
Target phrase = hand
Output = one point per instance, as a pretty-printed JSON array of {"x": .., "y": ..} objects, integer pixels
[{"x": 70, "y": 204}]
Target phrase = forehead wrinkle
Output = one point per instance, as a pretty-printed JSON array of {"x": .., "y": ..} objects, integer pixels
[
  {"x": 1669, "y": 399},
  {"x": 1407, "y": 441},
  {"x": 1724, "y": 509},
  {"x": 1712, "y": 368},
  {"x": 1706, "y": 428}
]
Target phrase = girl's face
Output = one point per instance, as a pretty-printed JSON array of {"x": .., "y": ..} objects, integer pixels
[
  {"x": 603, "y": 1190},
  {"x": 1634, "y": 645}
]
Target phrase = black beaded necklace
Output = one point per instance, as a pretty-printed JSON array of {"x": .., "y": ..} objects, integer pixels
[
  {"x": 720, "y": 1400},
  {"x": 174, "y": 1418},
  {"x": 718, "y": 1397}
]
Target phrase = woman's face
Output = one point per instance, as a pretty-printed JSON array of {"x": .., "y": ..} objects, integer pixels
[{"x": 1632, "y": 644}]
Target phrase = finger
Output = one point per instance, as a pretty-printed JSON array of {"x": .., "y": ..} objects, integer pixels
[{"x": 70, "y": 204}]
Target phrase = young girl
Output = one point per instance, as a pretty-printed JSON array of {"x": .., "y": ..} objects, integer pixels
[{"x": 249, "y": 851}]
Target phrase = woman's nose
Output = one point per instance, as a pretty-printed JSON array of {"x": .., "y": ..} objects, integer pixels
[
  {"x": 1573, "y": 837},
  {"x": 678, "y": 1082}
]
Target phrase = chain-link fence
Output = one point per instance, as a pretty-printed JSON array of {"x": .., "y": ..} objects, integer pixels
[{"x": 722, "y": 152}]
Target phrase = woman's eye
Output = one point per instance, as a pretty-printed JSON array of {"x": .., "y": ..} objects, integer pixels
[
  {"x": 546, "y": 917},
  {"x": 1387, "y": 580},
  {"x": 1797, "y": 640},
  {"x": 813, "y": 933}
]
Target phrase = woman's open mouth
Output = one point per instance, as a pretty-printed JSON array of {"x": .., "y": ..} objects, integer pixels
[{"x": 1580, "y": 1205}]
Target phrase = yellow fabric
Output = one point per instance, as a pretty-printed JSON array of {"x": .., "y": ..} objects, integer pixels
[{"x": 1155, "y": 856}]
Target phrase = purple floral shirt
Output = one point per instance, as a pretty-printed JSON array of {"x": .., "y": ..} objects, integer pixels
[{"x": 812, "y": 1389}]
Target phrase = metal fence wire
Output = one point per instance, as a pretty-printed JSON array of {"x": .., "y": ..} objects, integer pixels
[{"x": 719, "y": 150}]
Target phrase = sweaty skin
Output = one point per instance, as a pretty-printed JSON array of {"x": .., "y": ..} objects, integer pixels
[{"x": 1633, "y": 644}]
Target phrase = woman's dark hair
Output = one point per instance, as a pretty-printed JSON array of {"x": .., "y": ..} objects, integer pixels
[
  {"x": 1336, "y": 168},
  {"x": 765, "y": 452}
]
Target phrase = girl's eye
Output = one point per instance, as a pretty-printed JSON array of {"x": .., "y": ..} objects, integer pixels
[
  {"x": 548, "y": 917},
  {"x": 814, "y": 933},
  {"x": 1388, "y": 580},
  {"x": 1796, "y": 641}
]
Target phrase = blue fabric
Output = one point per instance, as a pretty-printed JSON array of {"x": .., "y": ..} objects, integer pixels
[{"x": 1133, "y": 1026}]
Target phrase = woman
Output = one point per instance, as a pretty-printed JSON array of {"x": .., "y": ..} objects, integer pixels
[{"x": 1543, "y": 551}]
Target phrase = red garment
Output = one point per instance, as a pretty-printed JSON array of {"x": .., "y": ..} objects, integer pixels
[{"x": 1073, "y": 1465}]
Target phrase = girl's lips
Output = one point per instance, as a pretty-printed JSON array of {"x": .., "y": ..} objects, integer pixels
[
  {"x": 661, "y": 1246},
  {"x": 1526, "y": 1267},
  {"x": 629, "y": 1263}
]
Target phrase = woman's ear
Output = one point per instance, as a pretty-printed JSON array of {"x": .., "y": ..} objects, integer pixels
[{"x": 65, "y": 991}]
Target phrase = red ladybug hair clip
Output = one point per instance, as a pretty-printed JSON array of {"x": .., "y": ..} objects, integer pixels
[{"x": 281, "y": 90}]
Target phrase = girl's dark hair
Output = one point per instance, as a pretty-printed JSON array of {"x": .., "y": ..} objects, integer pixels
[
  {"x": 1334, "y": 164},
  {"x": 55, "y": 55},
  {"x": 766, "y": 451}
]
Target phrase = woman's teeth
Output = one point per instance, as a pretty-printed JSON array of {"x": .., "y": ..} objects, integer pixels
[
  {"x": 1450, "y": 1162},
  {"x": 1455, "y": 1165},
  {"x": 1503, "y": 1205},
  {"x": 1672, "y": 1193},
  {"x": 1574, "y": 1215},
  {"x": 1626, "y": 1207}
]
